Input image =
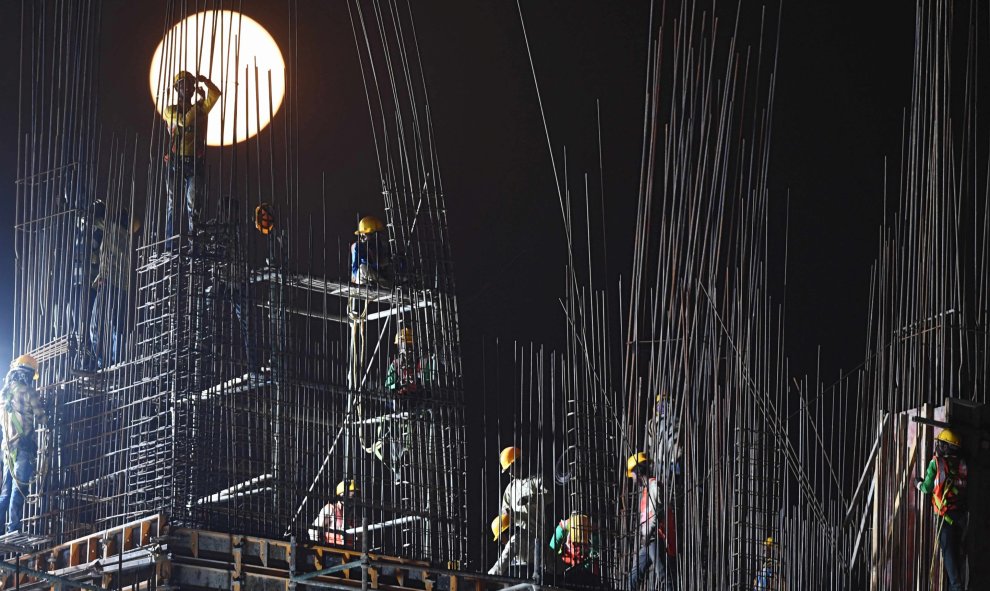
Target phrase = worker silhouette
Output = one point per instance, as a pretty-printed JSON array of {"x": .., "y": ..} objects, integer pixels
[{"x": 187, "y": 123}]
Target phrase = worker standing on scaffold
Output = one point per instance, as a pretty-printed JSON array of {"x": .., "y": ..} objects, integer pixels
[
  {"x": 657, "y": 546},
  {"x": 945, "y": 479},
  {"x": 188, "y": 122},
  {"x": 20, "y": 411},
  {"x": 523, "y": 506},
  {"x": 367, "y": 264}
]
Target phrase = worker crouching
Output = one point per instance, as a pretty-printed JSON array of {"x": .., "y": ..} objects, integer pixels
[
  {"x": 576, "y": 542},
  {"x": 332, "y": 523}
]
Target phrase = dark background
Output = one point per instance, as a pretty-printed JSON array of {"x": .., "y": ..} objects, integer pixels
[{"x": 843, "y": 81}]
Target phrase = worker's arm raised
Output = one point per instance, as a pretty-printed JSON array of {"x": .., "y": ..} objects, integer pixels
[{"x": 212, "y": 93}]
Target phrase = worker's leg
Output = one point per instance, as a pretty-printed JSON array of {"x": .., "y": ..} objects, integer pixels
[
  {"x": 236, "y": 296},
  {"x": 511, "y": 549},
  {"x": 173, "y": 180},
  {"x": 537, "y": 557},
  {"x": 195, "y": 187},
  {"x": 667, "y": 566},
  {"x": 5, "y": 490},
  {"x": 644, "y": 560},
  {"x": 948, "y": 540},
  {"x": 23, "y": 473}
]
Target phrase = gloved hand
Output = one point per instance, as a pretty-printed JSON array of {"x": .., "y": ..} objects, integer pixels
[{"x": 917, "y": 485}]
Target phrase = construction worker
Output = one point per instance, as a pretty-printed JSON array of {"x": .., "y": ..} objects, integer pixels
[
  {"x": 228, "y": 274},
  {"x": 576, "y": 542},
  {"x": 330, "y": 525},
  {"x": 663, "y": 438},
  {"x": 87, "y": 236},
  {"x": 768, "y": 576},
  {"x": 187, "y": 124},
  {"x": 20, "y": 411},
  {"x": 516, "y": 561},
  {"x": 945, "y": 479},
  {"x": 367, "y": 261},
  {"x": 408, "y": 377},
  {"x": 523, "y": 501},
  {"x": 109, "y": 314},
  {"x": 657, "y": 547}
]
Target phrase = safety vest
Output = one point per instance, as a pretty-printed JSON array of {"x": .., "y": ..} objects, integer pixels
[
  {"x": 950, "y": 484},
  {"x": 575, "y": 553},
  {"x": 648, "y": 502},
  {"x": 335, "y": 521}
]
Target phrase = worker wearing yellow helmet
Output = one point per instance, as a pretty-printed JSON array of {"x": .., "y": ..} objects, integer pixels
[
  {"x": 768, "y": 575},
  {"x": 21, "y": 411},
  {"x": 524, "y": 502},
  {"x": 576, "y": 542},
  {"x": 368, "y": 259},
  {"x": 945, "y": 479},
  {"x": 187, "y": 121},
  {"x": 332, "y": 523},
  {"x": 657, "y": 543}
]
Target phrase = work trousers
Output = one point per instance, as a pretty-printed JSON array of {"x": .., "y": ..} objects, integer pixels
[
  {"x": 230, "y": 294},
  {"x": 15, "y": 484},
  {"x": 654, "y": 553},
  {"x": 187, "y": 177},
  {"x": 950, "y": 541},
  {"x": 107, "y": 325}
]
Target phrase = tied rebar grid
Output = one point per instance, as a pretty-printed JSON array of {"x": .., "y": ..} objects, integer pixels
[{"x": 244, "y": 390}]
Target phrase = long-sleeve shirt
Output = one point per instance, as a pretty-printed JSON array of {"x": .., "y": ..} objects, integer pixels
[
  {"x": 20, "y": 410},
  {"x": 364, "y": 253},
  {"x": 329, "y": 525},
  {"x": 188, "y": 125},
  {"x": 524, "y": 499},
  {"x": 663, "y": 442}
]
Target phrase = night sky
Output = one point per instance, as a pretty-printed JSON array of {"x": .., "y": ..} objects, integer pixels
[{"x": 843, "y": 81}]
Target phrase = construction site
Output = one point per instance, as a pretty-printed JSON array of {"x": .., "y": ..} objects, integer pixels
[{"x": 230, "y": 395}]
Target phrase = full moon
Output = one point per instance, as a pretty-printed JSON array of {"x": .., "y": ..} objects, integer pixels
[{"x": 237, "y": 54}]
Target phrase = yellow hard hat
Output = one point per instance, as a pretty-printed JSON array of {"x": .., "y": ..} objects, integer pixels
[
  {"x": 949, "y": 437},
  {"x": 404, "y": 336},
  {"x": 508, "y": 456},
  {"x": 264, "y": 220},
  {"x": 635, "y": 460},
  {"x": 768, "y": 542},
  {"x": 26, "y": 362},
  {"x": 369, "y": 225},
  {"x": 352, "y": 487},
  {"x": 579, "y": 528},
  {"x": 499, "y": 525},
  {"x": 182, "y": 75}
]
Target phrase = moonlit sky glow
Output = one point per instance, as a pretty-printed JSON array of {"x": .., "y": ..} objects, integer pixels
[{"x": 239, "y": 45}]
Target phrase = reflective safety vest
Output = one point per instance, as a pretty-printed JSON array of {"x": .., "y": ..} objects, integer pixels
[
  {"x": 578, "y": 553},
  {"x": 649, "y": 501},
  {"x": 950, "y": 484}
]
